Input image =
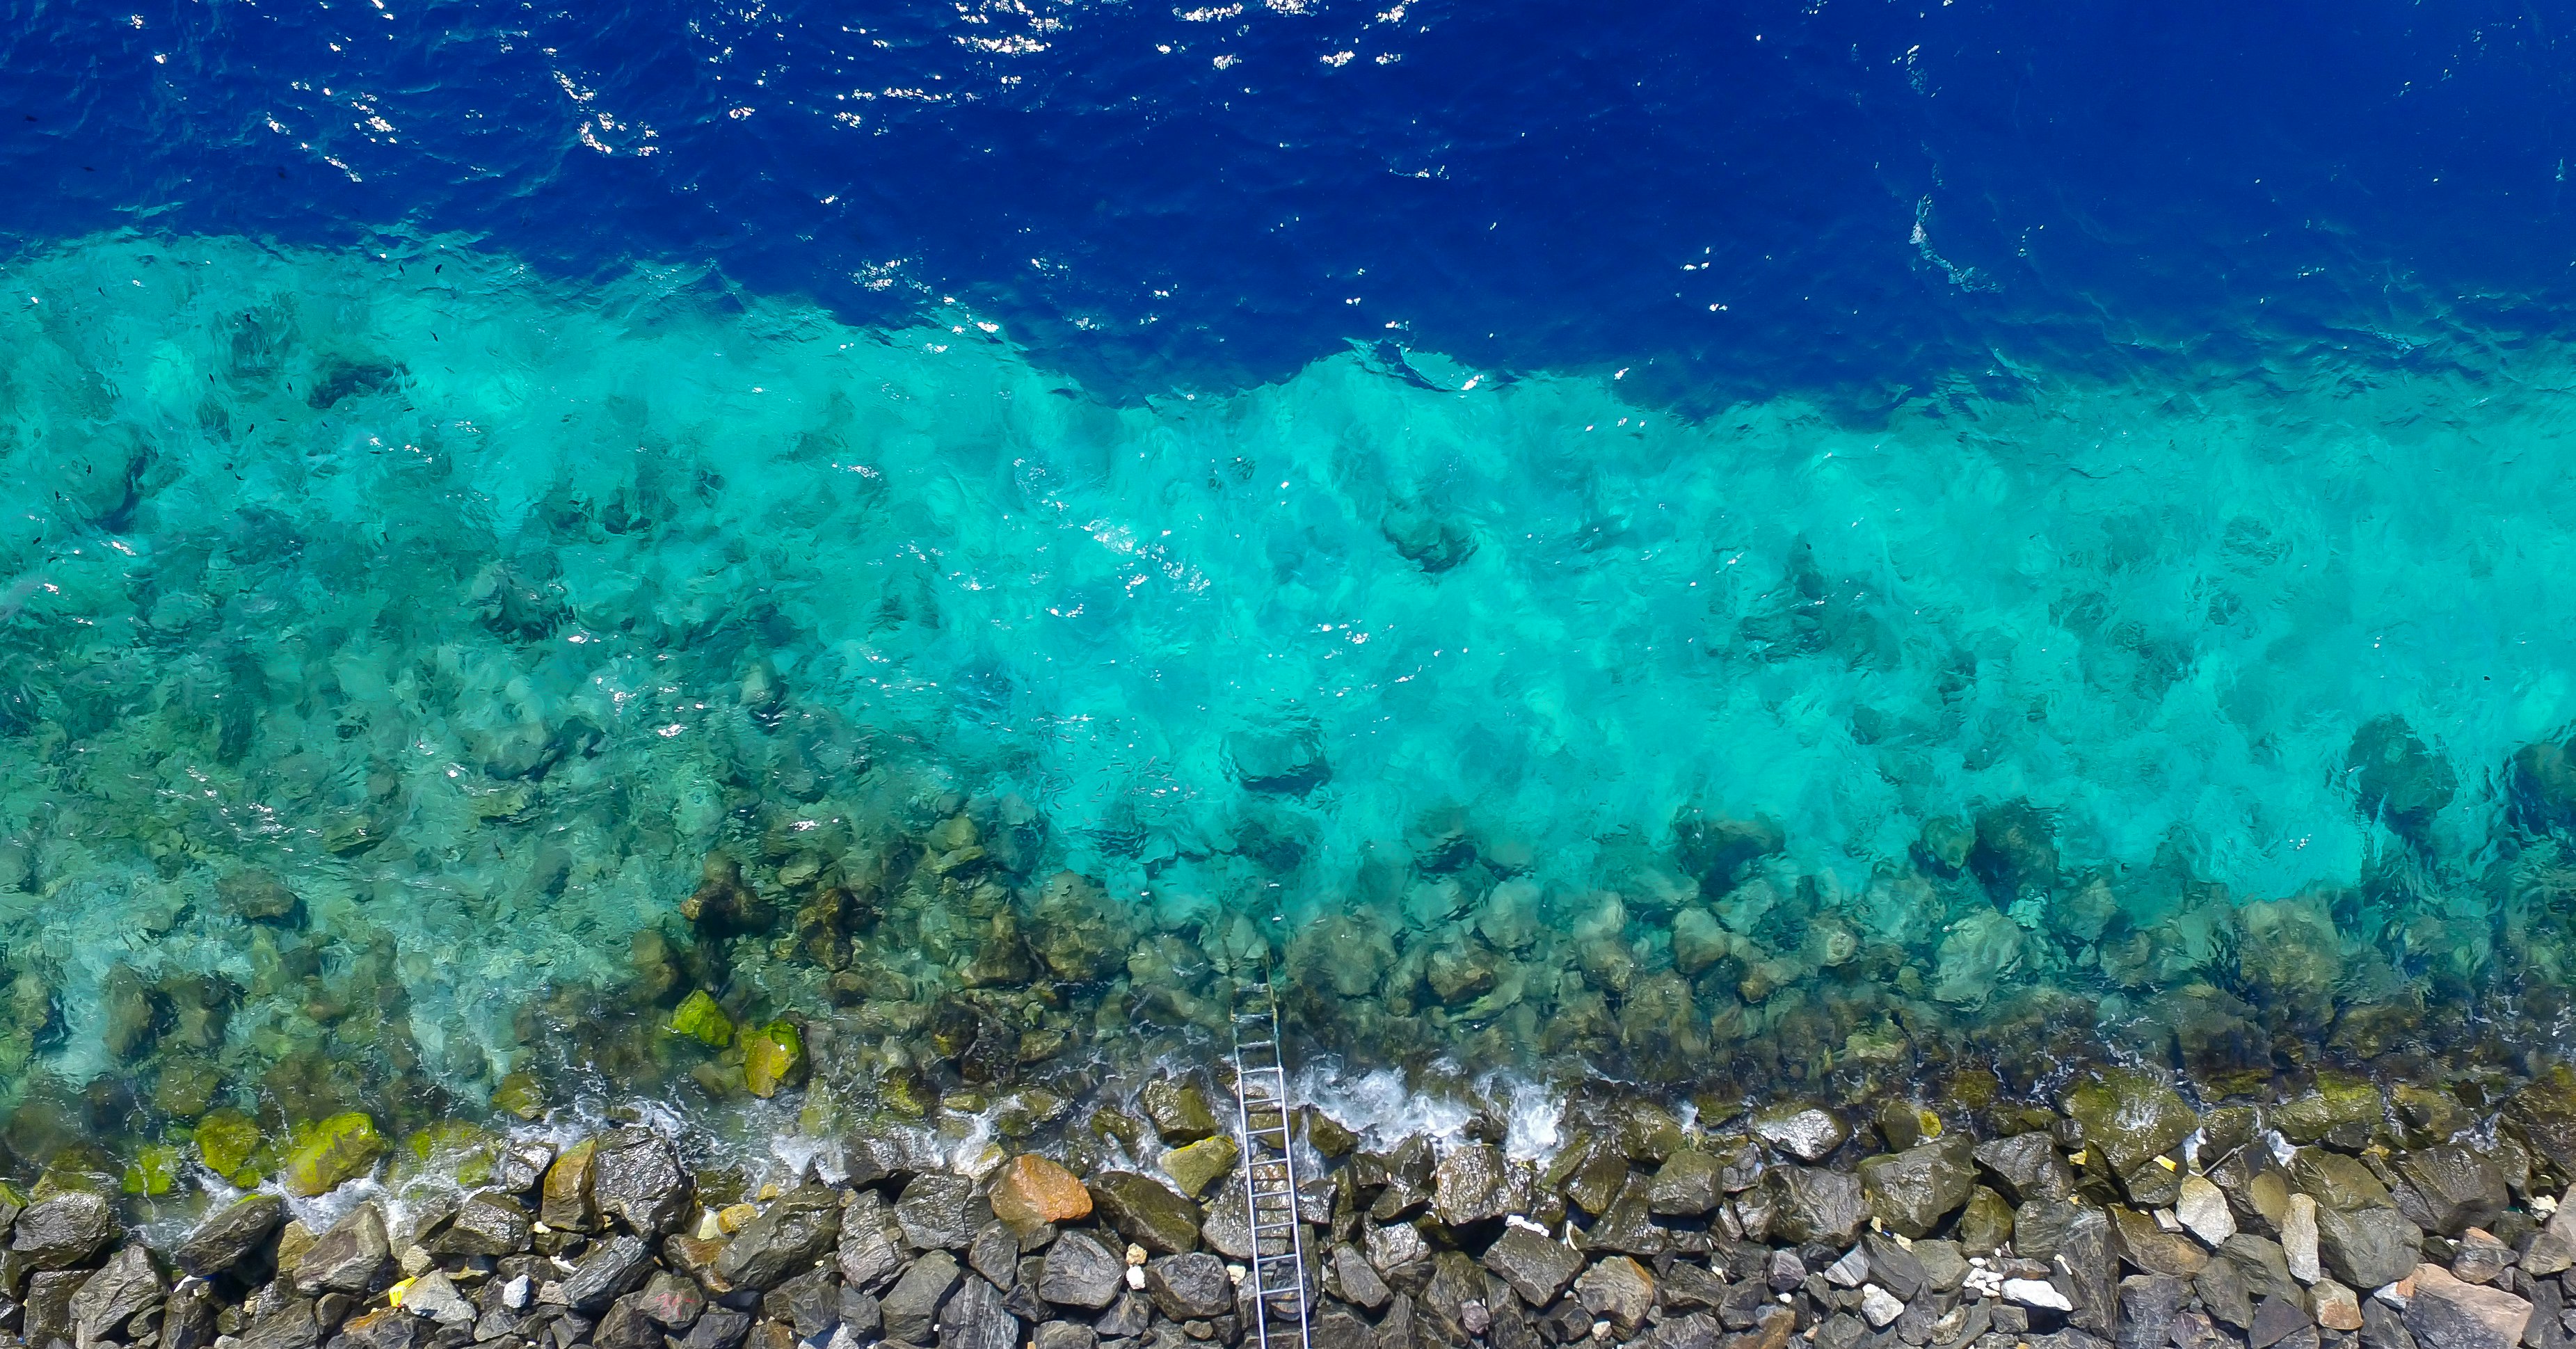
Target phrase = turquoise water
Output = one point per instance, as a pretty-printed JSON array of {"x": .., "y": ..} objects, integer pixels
[{"x": 477, "y": 611}]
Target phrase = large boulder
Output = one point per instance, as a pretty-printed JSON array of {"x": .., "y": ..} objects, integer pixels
[
  {"x": 1474, "y": 1184},
  {"x": 941, "y": 1211},
  {"x": 977, "y": 1317},
  {"x": 1813, "y": 1204},
  {"x": 2367, "y": 1248},
  {"x": 796, "y": 1230},
  {"x": 1146, "y": 1211},
  {"x": 1190, "y": 1287},
  {"x": 347, "y": 1256},
  {"x": 1912, "y": 1191},
  {"x": 2027, "y": 1167},
  {"x": 228, "y": 1237},
  {"x": 2131, "y": 1115},
  {"x": 1536, "y": 1266},
  {"x": 2445, "y": 1313},
  {"x": 66, "y": 1230},
  {"x": 1808, "y": 1133},
  {"x": 1080, "y": 1272},
  {"x": 2460, "y": 1189},
  {"x": 636, "y": 1178},
  {"x": 911, "y": 1307}
]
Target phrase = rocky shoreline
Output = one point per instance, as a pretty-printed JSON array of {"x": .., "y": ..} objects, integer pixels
[{"x": 2115, "y": 1213}]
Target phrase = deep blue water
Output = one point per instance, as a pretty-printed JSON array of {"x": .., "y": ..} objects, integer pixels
[{"x": 1156, "y": 195}]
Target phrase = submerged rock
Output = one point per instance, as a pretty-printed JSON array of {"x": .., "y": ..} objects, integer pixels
[
  {"x": 331, "y": 1152},
  {"x": 2131, "y": 1115}
]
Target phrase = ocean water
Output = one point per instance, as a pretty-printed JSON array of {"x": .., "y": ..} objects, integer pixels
[{"x": 977, "y": 565}]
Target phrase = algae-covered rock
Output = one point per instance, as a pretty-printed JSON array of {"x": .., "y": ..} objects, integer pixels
[
  {"x": 1146, "y": 1211},
  {"x": 154, "y": 1168},
  {"x": 1974, "y": 957},
  {"x": 2341, "y": 1110},
  {"x": 2131, "y": 1115},
  {"x": 2545, "y": 1111},
  {"x": 1812, "y": 1204},
  {"x": 566, "y": 1203},
  {"x": 773, "y": 1058},
  {"x": 1178, "y": 1110},
  {"x": 2398, "y": 780},
  {"x": 1196, "y": 1166},
  {"x": 699, "y": 1018},
  {"x": 226, "y": 1141},
  {"x": 331, "y": 1152},
  {"x": 520, "y": 1094},
  {"x": 1985, "y": 1222}
]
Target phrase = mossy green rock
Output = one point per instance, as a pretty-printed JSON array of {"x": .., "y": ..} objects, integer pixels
[
  {"x": 226, "y": 1141},
  {"x": 2545, "y": 1111},
  {"x": 773, "y": 1058},
  {"x": 699, "y": 1018},
  {"x": 1200, "y": 1164},
  {"x": 465, "y": 1151},
  {"x": 520, "y": 1095},
  {"x": 331, "y": 1152},
  {"x": 2130, "y": 1115},
  {"x": 153, "y": 1169},
  {"x": 2343, "y": 1111}
]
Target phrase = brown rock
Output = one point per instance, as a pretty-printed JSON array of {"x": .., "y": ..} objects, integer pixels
[{"x": 1033, "y": 1191}]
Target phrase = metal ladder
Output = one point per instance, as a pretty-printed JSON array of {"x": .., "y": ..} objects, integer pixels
[{"x": 1262, "y": 1123}]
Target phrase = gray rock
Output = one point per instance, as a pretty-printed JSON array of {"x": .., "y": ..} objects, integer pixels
[
  {"x": 796, "y": 1230},
  {"x": 1075, "y": 1335},
  {"x": 1191, "y": 1287},
  {"x": 1629, "y": 1226},
  {"x": 66, "y": 1230},
  {"x": 1537, "y": 1268},
  {"x": 1359, "y": 1279},
  {"x": 1783, "y": 1271},
  {"x": 1686, "y": 1185},
  {"x": 912, "y": 1305},
  {"x": 672, "y": 1301},
  {"x": 1812, "y": 1204},
  {"x": 2275, "y": 1320},
  {"x": 522, "y": 1164},
  {"x": 1893, "y": 1266},
  {"x": 941, "y": 1211},
  {"x": 810, "y": 1301},
  {"x": 1619, "y": 1290},
  {"x": 188, "y": 1316},
  {"x": 1127, "y": 1317},
  {"x": 348, "y": 1256},
  {"x": 1473, "y": 1184},
  {"x": 2148, "y": 1305},
  {"x": 2263, "y": 1265},
  {"x": 1945, "y": 1265},
  {"x": 995, "y": 1254},
  {"x": 2445, "y": 1313},
  {"x": 2369, "y": 1247},
  {"x": 608, "y": 1269},
  {"x": 1912, "y": 1191},
  {"x": 1227, "y": 1228},
  {"x": 230, "y": 1235},
  {"x": 1333, "y": 1328},
  {"x": 1080, "y": 1272},
  {"x": 1145, "y": 1211},
  {"x": 2460, "y": 1189},
  {"x": 624, "y": 1326},
  {"x": 382, "y": 1328},
  {"x": 433, "y": 1297},
  {"x": 637, "y": 1179},
  {"x": 290, "y": 1326},
  {"x": 861, "y": 1314},
  {"x": 114, "y": 1295},
  {"x": 1808, "y": 1133},
  {"x": 974, "y": 1317},
  {"x": 490, "y": 1223},
  {"x": 868, "y": 1255},
  {"x": 1879, "y": 1307},
  {"x": 2027, "y": 1168},
  {"x": 46, "y": 1317},
  {"x": 720, "y": 1328},
  {"x": 2383, "y": 1328},
  {"x": 2222, "y": 1290}
]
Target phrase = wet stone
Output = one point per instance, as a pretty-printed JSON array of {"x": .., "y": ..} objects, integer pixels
[
  {"x": 793, "y": 1232},
  {"x": 940, "y": 1211},
  {"x": 912, "y": 1305},
  {"x": 68, "y": 1229},
  {"x": 1686, "y": 1185},
  {"x": 624, "y": 1326},
  {"x": 1808, "y": 1133},
  {"x": 1196, "y": 1166},
  {"x": 1617, "y": 1289},
  {"x": 1178, "y": 1111},
  {"x": 719, "y": 1328},
  {"x": 671, "y": 1301},
  {"x": 2275, "y": 1319},
  {"x": 1189, "y": 1287},
  {"x": 2459, "y": 1188},
  {"x": 2027, "y": 1167},
  {"x": 2130, "y": 1114},
  {"x": 2144, "y": 1243},
  {"x": 811, "y": 1302},
  {"x": 108, "y": 1299},
  {"x": 230, "y": 1235},
  {"x": 1537, "y": 1267},
  {"x": 1473, "y": 1184},
  {"x": 1893, "y": 1265},
  {"x": 636, "y": 1178},
  {"x": 1145, "y": 1211},
  {"x": 1075, "y": 1335},
  {"x": 347, "y": 1257},
  {"x": 1032, "y": 1190},
  {"x": 1912, "y": 1191},
  {"x": 609, "y": 1268},
  {"x": 1816, "y": 1205},
  {"x": 1359, "y": 1280},
  {"x": 2148, "y": 1305},
  {"x": 489, "y": 1223},
  {"x": 434, "y": 1297},
  {"x": 868, "y": 1258},
  {"x": 975, "y": 1318}
]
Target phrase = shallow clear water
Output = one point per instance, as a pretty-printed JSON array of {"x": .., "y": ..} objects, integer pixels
[{"x": 477, "y": 611}]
